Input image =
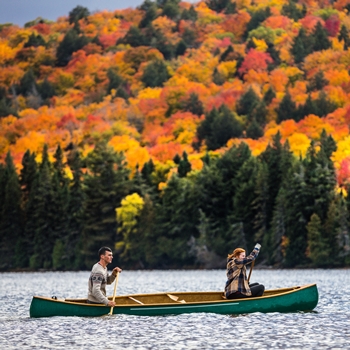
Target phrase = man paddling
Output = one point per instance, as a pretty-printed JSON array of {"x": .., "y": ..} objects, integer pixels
[{"x": 99, "y": 278}]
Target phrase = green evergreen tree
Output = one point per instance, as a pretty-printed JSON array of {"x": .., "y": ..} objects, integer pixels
[
  {"x": 316, "y": 246},
  {"x": 287, "y": 108},
  {"x": 317, "y": 82},
  {"x": 193, "y": 104},
  {"x": 134, "y": 37},
  {"x": 147, "y": 171},
  {"x": 296, "y": 216},
  {"x": 180, "y": 48},
  {"x": 248, "y": 101},
  {"x": 231, "y": 8},
  {"x": 176, "y": 223},
  {"x": 291, "y": 10},
  {"x": 218, "y": 127},
  {"x": 190, "y": 14},
  {"x": 171, "y": 9},
  {"x": 35, "y": 41},
  {"x": 269, "y": 96},
  {"x": 324, "y": 106},
  {"x": 226, "y": 54},
  {"x": 344, "y": 36},
  {"x": 217, "y": 5},
  {"x": 254, "y": 131},
  {"x": 321, "y": 41},
  {"x": 218, "y": 78},
  {"x": 46, "y": 90},
  {"x": 155, "y": 74},
  {"x": 11, "y": 224},
  {"x": 278, "y": 159},
  {"x": 73, "y": 239},
  {"x": 78, "y": 13},
  {"x": 244, "y": 198},
  {"x": 71, "y": 42},
  {"x": 302, "y": 46},
  {"x": 40, "y": 212},
  {"x": 27, "y": 83},
  {"x": 308, "y": 108},
  {"x": 149, "y": 15},
  {"x": 259, "y": 206},
  {"x": 105, "y": 185},
  {"x": 257, "y": 18},
  {"x": 184, "y": 165}
]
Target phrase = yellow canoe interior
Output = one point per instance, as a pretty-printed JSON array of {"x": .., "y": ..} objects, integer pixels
[{"x": 182, "y": 297}]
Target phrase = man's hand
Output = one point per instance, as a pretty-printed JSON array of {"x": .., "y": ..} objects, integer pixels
[
  {"x": 111, "y": 303},
  {"x": 116, "y": 270}
]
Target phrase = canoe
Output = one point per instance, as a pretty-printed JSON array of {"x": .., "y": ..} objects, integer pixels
[{"x": 293, "y": 299}]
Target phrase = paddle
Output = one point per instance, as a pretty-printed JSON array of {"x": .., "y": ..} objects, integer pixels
[
  {"x": 115, "y": 292},
  {"x": 251, "y": 269}
]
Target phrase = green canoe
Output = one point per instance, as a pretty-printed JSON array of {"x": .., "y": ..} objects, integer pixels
[{"x": 301, "y": 298}]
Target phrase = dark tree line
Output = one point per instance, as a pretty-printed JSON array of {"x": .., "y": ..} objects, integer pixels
[{"x": 56, "y": 215}]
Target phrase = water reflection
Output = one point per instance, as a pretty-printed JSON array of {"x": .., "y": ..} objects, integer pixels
[{"x": 327, "y": 327}]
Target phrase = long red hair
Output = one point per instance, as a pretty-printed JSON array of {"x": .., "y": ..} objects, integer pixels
[{"x": 235, "y": 253}]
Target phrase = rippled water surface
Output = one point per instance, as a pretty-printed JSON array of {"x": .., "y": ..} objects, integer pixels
[{"x": 327, "y": 327}]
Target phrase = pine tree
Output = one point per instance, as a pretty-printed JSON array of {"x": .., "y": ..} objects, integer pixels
[
  {"x": 35, "y": 41},
  {"x": 78, "y": 13},
  {"x": 105, "y": 185},
  {"x": 244, "y": 197},
  {"x": 344, "y": 36},
  {"x": 316, "y": 246},
  {"x": 278, "y": 159},
  {"x": 254, "y": 131},
  {"x": 317, "y": 82},
  {"x": 27, "y": 83},
  {"x": 73, "y": 240},
  {"x": 302, "y": 46},
  {"x": 61, "y": 217},
  {"x": 321, "y": 41},
  {"x": 71, "y": 42},
  {"x": 190, "y": 14},
  {"x": 155, "y": 74},
  {"x": 218, "y": 78},
  {"x": 11, "y": 225},
  {"x": 287, "y": 108},
  {"x": 269, "y": 96},
  {"x": 40, "y": 213},
  {"x": 247, "y": 102},
  {"x": 184, "y": 165},
  {"x": 176, "y": 223},
  {"x": 193, "y": 104}
]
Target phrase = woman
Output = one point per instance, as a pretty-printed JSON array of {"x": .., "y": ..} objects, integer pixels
[{"x": 237, "y": 285}]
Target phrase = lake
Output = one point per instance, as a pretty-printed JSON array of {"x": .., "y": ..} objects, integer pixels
[{"x": 327, "y": 327}]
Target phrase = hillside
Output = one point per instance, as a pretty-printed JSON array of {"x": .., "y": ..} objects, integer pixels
[
  {"x": 145, "y": 78},
  {"x": 173, "y": 85}
]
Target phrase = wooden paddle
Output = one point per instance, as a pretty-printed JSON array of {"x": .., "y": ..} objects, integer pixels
[
  {"x": 115, "y": 292},
  {"x": 251, "y": 269}
]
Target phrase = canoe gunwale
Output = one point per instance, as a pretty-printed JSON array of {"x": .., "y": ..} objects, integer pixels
[{"x": 272, "y": 293}]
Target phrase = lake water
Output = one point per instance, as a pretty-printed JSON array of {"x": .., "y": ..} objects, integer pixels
[{"x": 327, "y": 327}]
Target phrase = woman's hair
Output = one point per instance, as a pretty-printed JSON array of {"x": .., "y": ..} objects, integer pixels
[{"x": 235, "y": 253}]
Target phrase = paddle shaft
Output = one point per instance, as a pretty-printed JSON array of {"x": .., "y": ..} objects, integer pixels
[
  {"x": 114, "y": 292},
  {"x": 251, "y": 269}
]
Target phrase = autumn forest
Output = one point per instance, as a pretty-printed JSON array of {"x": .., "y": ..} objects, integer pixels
[{"x": 175, "y": 132}]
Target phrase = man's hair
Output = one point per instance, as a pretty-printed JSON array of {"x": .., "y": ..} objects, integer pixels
[{"x": 103, "y": 250}]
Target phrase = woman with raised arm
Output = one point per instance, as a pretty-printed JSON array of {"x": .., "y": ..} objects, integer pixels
[{"x": 237, "y": 285}]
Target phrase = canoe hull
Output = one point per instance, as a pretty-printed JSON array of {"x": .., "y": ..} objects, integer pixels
[{"x": 300, "y": 299}]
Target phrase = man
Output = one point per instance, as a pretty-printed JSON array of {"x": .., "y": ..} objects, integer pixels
[{"x": 99, "y": 278}]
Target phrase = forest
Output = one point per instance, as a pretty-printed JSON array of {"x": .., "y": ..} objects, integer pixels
[{"x": 175, "y": 132}]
